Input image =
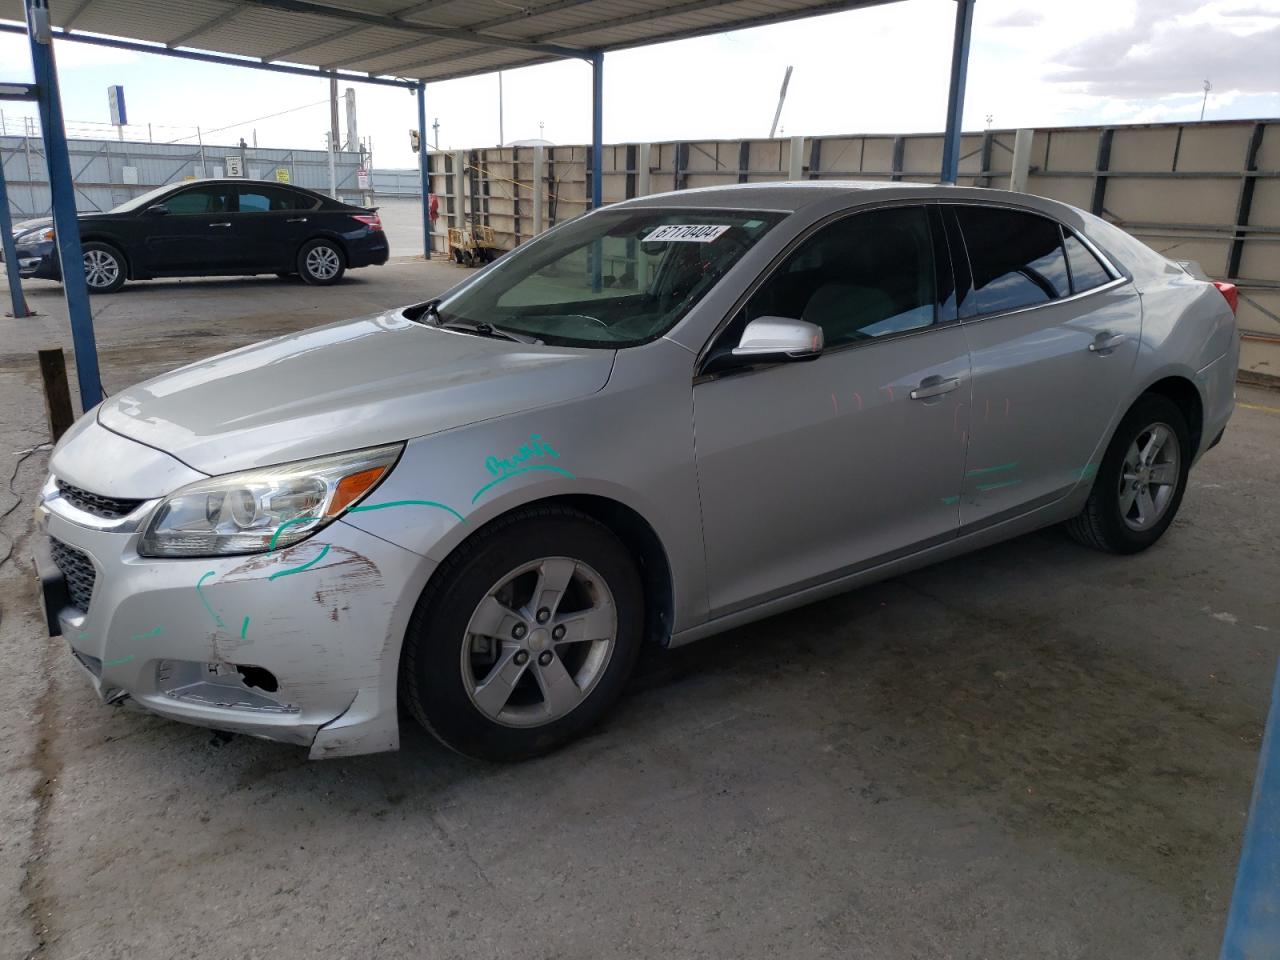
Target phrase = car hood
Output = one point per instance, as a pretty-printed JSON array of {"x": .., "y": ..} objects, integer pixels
[
  {"x": 39, "y": 223},
  {"x": 26, "y": 226},
  {"x": 353, "y": 384}
]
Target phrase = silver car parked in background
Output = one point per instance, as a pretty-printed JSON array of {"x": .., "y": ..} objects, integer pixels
[{"x": 661, "y": 420}]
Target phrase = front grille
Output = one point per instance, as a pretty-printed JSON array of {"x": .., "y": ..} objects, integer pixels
[
  {"x": 77, "y": 570},
  {"x": 108, "y": 508}
]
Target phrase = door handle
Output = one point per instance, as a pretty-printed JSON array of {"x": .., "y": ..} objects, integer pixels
[
  {"x": 1106, "y": 341},
  {"x": 934, "y": 387},
  {"x": 220, "y": 224},
  {"x": 296, "y": 220}
]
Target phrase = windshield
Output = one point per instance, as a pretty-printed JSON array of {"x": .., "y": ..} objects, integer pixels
[
  {"x": 144, "y": 200},
  {"x": 612, "y": 279}
]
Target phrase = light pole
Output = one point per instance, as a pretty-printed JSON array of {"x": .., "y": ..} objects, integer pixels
[{"x": 1207, "y": 87}]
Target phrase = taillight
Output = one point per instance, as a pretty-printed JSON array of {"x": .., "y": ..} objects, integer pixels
[
  {"x": 370, "y": 220},
  {"x": 1229, "y": 292}
]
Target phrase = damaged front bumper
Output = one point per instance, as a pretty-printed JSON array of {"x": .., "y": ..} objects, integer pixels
[{"x": 299, "y": 645}]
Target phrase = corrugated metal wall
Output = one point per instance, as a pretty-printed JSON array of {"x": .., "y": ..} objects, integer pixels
[
  {"x": 105, "y": 171},
  {"x": 1199, "y": 191}
]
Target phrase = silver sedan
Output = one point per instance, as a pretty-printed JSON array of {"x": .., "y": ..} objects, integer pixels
[{"x": 664, "y": 419}]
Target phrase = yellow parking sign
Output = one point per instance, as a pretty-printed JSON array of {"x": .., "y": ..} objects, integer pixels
[{"x": 282, "y": 175}]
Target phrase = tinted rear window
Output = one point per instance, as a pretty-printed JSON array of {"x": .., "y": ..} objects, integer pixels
[
  {"x": 1086, "y": 271},
  {"x": 1016, "y": 257}
]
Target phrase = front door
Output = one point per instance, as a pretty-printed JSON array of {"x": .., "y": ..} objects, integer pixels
[
  {"x": 1053, "y": 336},
  {"x": 194, "y": 236},
  {"x": 810, "y": 470}
]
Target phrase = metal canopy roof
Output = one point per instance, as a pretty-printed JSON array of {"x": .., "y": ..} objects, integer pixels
[{"x": 427, "y": 40}]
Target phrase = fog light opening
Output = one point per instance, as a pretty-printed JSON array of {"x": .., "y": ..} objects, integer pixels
[{"x": 259, "y": 677}]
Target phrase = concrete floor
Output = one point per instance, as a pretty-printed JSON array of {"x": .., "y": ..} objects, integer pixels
[{"x": 1033, "y": 751}]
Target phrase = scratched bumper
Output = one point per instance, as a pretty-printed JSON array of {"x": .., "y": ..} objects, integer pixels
[{"x": 290, "y": 645}]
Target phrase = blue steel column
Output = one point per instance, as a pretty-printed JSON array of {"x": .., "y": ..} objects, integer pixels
[
  {"x": 955, "y": 94},
  {"x": 423, "y": 169},
  {"x": 10, "y": 253},
  {"x": 597, "y": 126},
  {"x": 1253, "y": 924},
  {"x": 62, "y": 190}
]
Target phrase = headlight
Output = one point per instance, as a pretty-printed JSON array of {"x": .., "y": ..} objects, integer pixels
[
  {"x": 33, "y": 237},
  {"x": 265, "y": 509}
]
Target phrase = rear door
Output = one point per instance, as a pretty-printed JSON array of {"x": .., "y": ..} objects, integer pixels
[
  {"x": 193, "y": 237},
  {"x": 809, "y": 471},
  {"x": 269, "y": 225},
  {"x": 1053, "y": 334}
]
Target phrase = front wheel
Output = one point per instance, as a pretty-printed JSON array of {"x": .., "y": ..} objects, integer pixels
[
  {"x": 103, "y": 267},
  {"x": 1140, "y": 481},
  {"x": 525, "y": 637},
  {"x": 321, "y": 262}
]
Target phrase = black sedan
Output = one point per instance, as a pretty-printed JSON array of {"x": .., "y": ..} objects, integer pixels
[{"x": 213, "y": 228}]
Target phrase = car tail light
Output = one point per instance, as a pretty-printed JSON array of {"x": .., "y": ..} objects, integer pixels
[
  {"x": 370, "y": 220},
  {"x": 1229, "y": 293}
]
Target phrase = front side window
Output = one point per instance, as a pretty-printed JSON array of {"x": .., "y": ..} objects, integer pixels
[
  {"x": 612, "y": 279},
  {"x": 866, "y": 276},
  {"x": 265, "y": 199},
  {"x": 1016, "y": 259},
  {"x": 210, "y": 199}
]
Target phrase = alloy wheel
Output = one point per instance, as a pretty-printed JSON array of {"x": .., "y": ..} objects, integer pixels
[
  {"x": 101, "y": 269},
  {"x": 323, "y": 263},
  {"x": 1149, "y": 476},
  {"x": 539, "y": 642}
]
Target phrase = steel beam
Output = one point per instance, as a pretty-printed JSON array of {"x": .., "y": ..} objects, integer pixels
[
  {"x": 1245, "y": 204},
  {"x": 1253, "y": 922},
  {"x": 225, "y": 17},
  {"x": 62, "y": 192},
  {"x": 215, "y": 58},
  {"x": 1097, "y": 204},
  {"x": 424, "y": 170},
  {"x": 10, "y": 254},
  {"x": 597, "y": 127},
  {"x": 955, "y": 92}
]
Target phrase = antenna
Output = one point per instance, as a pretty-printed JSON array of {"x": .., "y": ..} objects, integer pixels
[{"x": 782, "y": 96}]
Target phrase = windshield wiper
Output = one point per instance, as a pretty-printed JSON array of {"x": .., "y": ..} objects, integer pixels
[{"x": 485, "y": 330}]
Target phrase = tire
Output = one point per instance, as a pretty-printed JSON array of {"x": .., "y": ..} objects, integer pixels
[
  {"x": 486, "y": 695},
  {"x": 321, "y": 262},
  {"x": 104, "y": 267},
  {"x": 1128, "y": 515}
]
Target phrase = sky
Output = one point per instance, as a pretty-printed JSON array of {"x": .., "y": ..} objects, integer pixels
[{"x": 878, "y": 70}]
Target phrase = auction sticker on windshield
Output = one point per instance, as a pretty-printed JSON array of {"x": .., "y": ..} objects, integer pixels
[{"x": 688, "y": 233}]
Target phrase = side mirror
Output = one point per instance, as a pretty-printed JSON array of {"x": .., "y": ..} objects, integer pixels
[
  {"x": 778, "y": 338},
  {"x": 157, "y": 210}
]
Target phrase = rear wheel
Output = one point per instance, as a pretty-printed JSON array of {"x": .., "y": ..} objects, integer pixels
[
  {"x": 103, "y": 267},
  {"x": 321, "y": 262},
  {"x": 526, "y": 637},
  {"x": 1140, "y": 482}
]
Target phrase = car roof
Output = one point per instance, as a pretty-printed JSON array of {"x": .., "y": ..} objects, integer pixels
[
  {"x": 244, "y": 181},
  {"x": 794, "y": 195}
]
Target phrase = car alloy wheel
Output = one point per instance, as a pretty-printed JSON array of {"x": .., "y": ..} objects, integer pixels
[
  {"x": 1149, "y": 476},
  {"x": 101, "y": 269},
  {"x": 323, "y": 262},
  {"x": 539, "y": 642}
]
